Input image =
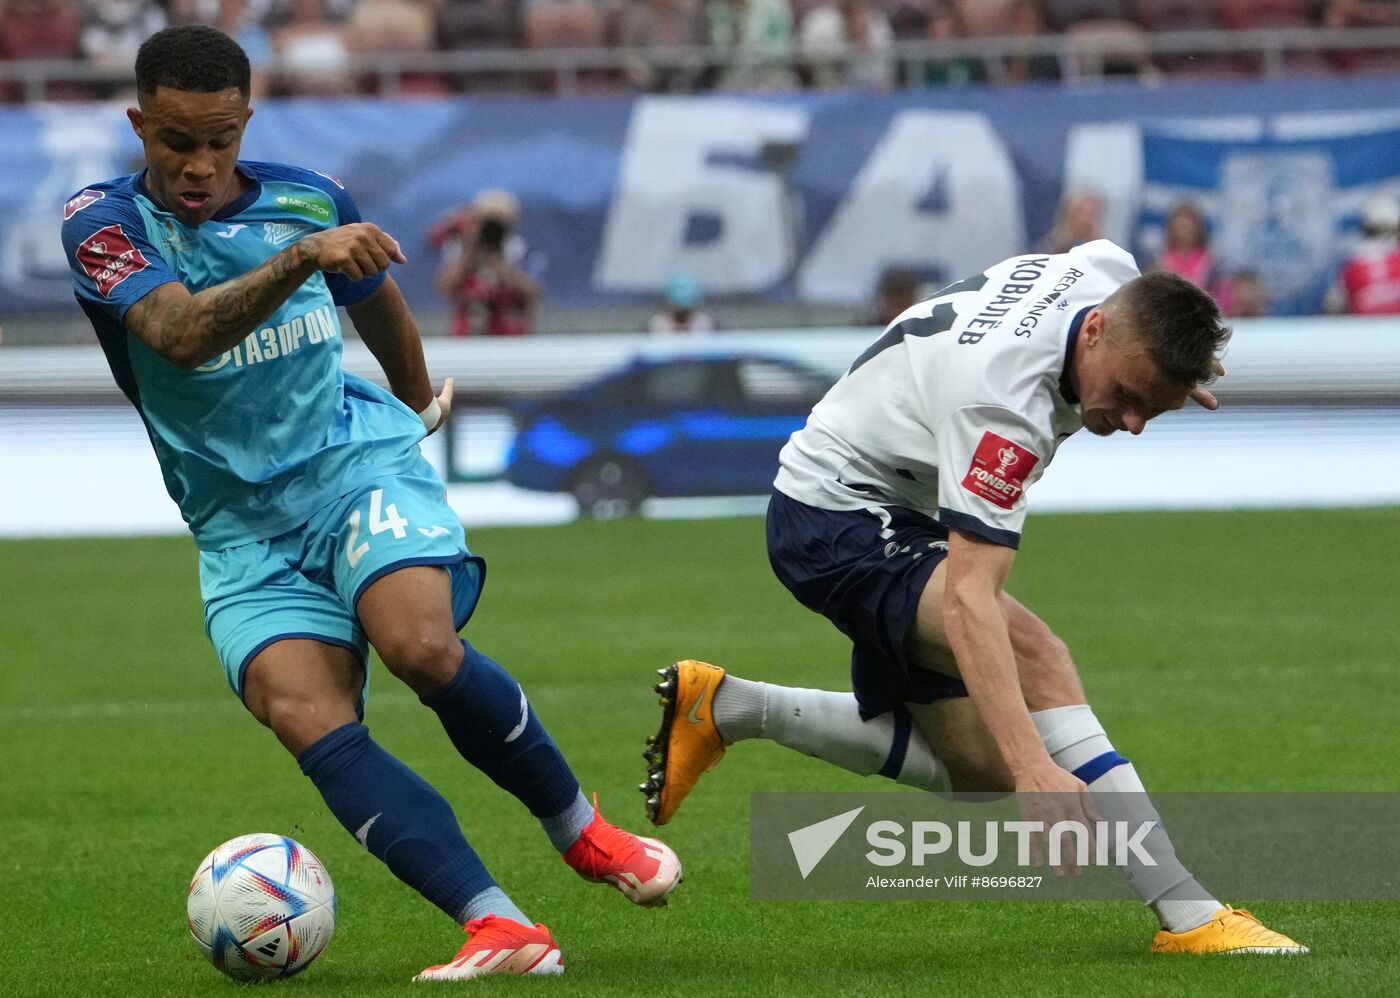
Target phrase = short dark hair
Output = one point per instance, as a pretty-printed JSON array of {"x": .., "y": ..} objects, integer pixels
[
  {"x": 1176, "y": 321},
  {"x": 192, "y": 57}
]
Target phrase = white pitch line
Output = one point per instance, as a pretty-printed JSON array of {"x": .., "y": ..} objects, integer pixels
[
  {"x": 380, "y": 702},
  {"x": 97, "y": 711},
  {"x": 164, "y": 708}
]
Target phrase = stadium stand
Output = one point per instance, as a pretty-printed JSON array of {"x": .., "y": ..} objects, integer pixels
[
  {"x": 73, "y": 50},
  {"x": 1061, "y": 15},
  {"x": 1365, "y": 14},
  {"x": 570, "y": 24},
  {"x": 407, "y": 26},
  {"x": 985, "y": 18},
  {"x": 41, "y": 29},
  {"x": 1189, "y": 15},
  {"x": 1115, "y": 47},
  {"x": 70, "y": 50}
]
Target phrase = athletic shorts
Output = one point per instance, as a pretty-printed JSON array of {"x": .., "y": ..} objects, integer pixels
[
  {"x": 864, "y": 572},
  {"x": 306, "y": 583}
]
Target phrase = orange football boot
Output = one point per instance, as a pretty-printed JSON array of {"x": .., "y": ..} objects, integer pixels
[
  {"x": 1232, "y": 930},
  {"x": 688, "y": 743}
]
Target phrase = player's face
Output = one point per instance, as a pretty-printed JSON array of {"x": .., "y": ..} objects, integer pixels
[
  {"x": 1120, "y": 387},
  {"x": 192, "y": 142}
]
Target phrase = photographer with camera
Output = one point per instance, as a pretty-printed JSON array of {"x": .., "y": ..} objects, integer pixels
[{"x": 483, "y": 271}]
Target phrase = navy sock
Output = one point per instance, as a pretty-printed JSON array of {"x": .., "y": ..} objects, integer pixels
[
  {"x": 397, "y": 816},
  {"x": 494, "y": 727}
]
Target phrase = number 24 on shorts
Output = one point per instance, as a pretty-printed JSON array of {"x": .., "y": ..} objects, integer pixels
[{"x": 379, "y": 522}]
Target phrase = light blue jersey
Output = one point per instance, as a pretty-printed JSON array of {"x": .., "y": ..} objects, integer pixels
[
  {"x": 303, "y": 485},
  {"x": 258, "y": 439}
]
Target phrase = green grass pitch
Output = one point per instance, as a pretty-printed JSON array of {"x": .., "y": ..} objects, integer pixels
[{"x": 1222, "y": 651}]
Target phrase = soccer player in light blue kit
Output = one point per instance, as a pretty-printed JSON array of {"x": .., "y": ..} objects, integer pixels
[{"x": 213, "y": 285}]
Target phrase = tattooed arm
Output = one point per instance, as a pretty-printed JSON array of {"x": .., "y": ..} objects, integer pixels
[{"x": 189, "y": 330}]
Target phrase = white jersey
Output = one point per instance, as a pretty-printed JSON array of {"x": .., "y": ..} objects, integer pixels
[{"x": 957, "y": 409}]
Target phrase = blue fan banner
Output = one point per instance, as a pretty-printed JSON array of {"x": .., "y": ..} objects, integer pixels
[{"x": 807, "y": 197}]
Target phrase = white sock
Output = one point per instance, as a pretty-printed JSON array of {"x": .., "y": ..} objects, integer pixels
[
  {"x": 828, "y": 726},
  {"x": 739, "y": 706},
  {"x": 1077, "y": 742}
]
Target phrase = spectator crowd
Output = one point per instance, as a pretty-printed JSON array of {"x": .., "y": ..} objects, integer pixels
[
  {"x": 488, "y": 274},
  {"x": 1367, "y": 282},
  {"x": 491, "y": 279},
  {"x": 753, "y": 44}
]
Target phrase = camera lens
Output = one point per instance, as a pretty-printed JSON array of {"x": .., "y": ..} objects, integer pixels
[{"x": 492, "y": 234}]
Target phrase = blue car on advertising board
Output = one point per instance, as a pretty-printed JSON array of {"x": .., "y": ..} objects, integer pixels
[{"x": 708, "y": 425}]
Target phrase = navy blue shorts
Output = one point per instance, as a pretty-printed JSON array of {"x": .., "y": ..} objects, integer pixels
[{"x": 865, "y": 574}]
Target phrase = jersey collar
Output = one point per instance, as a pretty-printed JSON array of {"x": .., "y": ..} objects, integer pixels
[
  {"x": 239, "y": 204},
  {"x": 1067, "y": 374},
  {"x": 244, "y": 201}
]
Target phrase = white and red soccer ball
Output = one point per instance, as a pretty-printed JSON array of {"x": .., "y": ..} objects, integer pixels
[{"x": 261, "y": 907}]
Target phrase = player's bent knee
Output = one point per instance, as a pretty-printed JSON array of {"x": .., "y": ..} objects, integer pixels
[
  {"x": 1047, "y": 672},
  {"x": 425, "y": 661},
  {"x": 300, "y": 721},
  {"x": 1050, "y": 655},
  {"x": 979, "y": 774},
  {"x": 1055, "y": 650},
  {"x": 957, "y": 735}
]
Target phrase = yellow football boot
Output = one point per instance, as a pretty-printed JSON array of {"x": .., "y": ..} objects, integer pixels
[
  {"x": 1232, "y": 930},
  {"x": 688, "y": 743}
]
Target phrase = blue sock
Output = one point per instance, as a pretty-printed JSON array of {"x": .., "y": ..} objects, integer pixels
[
  {"x": 565, "y": 827},
  {"x": 397, "y": 816},
  {"x": 493, "y": 901},
  {"x": 492, "y": 724}
]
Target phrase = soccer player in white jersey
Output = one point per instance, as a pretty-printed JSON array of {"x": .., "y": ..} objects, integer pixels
[{"x": 896, "y": 514}]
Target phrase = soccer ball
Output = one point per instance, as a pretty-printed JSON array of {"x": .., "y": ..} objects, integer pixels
[{"x": 261, "y": 907}]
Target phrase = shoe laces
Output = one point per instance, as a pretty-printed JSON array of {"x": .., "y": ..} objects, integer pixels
[
  {"x": 473, "y": 928},
  {"x": 477, "y": 924},
  {"x": 1256, "y": 929},
  {"x": 594, "y": 857},
  {"x": 490, "y": 926},
  {"x": 480, "y": 931}
]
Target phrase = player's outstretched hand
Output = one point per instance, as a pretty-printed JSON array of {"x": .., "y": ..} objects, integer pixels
[
  {"x": 359, "y": 250},
  {"x": 1203, "y": 396},
  {"x": 1049, "y": 795}
]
